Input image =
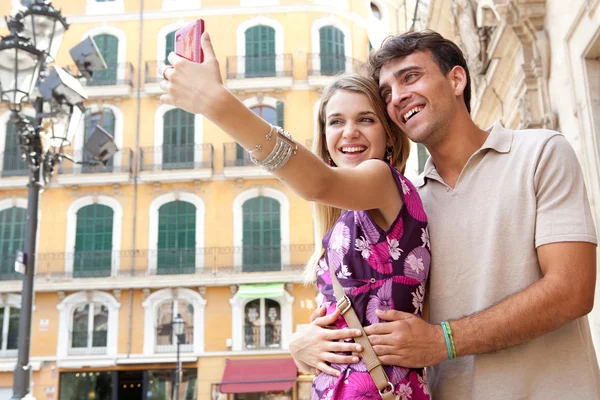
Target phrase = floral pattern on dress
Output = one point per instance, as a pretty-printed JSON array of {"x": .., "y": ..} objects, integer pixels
[{"x": 379, "y": 270}]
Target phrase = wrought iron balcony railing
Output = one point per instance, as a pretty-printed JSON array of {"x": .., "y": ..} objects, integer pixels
[
  {"x": 166, "y": 342},
  {"x": 201, "y": 260},
  {"x": 120, "y": 74},
  {"x": 151, "y": 74},
  {"x": 244, "y": 67},
  {"x": 121, "y": 162},
  {"x": 174, "y": 157},
  {"x": 12, "y": 164},
  {"x": 235, "y": 156},
  {"x": 254, "y": 339},
  {"x": 320, "y": 64}
]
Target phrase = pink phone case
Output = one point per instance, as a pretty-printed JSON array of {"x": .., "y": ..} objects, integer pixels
[{"x": 187, "y": 41}]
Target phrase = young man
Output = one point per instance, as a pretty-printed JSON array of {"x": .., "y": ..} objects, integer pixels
[{"x": 512, "y": 239}]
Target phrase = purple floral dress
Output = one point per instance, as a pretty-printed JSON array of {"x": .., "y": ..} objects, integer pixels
[{"x": 378, "y": 270}]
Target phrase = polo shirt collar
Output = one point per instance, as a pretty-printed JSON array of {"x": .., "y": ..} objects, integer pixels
[{"x": 500, "y": 139}]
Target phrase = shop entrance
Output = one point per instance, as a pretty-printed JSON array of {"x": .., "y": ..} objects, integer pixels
[{"x": 131, "y": 385}]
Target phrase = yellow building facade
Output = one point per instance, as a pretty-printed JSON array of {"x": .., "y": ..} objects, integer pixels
[{"x": 179, "y": 222}]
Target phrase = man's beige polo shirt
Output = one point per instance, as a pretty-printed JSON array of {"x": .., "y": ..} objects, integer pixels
[{"x": 521, "y": 190}]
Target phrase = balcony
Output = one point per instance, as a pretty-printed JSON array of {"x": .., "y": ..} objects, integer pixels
[
  {"x": 152, "y": 78},
  {"x": 322, "y": 68},
  {"x": 14, "y": 173},
  {"x": 264, "y": 72},
  {"x": 176, "y": 163},
  {"x": 237, "y": 164},
  {"x": 84, "y": 342},
  {"x": 265, "y": 337},
  {"x": 117, "y": 170},
  {"x": 166, "y": 341},
  {"x": 116, "y": 81}
]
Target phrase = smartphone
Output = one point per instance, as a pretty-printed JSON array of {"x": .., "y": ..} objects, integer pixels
[{"x": 187, "y": 41}]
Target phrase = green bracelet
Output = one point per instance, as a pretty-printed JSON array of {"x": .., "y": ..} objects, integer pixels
[{"x": 449, "y": 340}]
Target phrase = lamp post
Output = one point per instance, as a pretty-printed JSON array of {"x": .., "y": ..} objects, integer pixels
[
  {"x": 178, "y": 329},
  {"x": 35, "y": 35}
]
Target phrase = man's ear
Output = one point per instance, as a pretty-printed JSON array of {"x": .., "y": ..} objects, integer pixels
[{"x": 458, "y": 79}]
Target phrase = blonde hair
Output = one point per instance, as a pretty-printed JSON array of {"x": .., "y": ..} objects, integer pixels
[{"x": 325, "y": 216}]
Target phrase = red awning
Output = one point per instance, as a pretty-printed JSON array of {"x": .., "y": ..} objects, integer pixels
[{"x": 258, "y": 375}]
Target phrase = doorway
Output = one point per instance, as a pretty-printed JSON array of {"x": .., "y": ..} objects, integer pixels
[{"x": 131, "y": 385}]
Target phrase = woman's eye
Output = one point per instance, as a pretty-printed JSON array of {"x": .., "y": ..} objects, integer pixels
[
  {"x": 334, "y": 122},
  {"x": 367, "y": 120}
]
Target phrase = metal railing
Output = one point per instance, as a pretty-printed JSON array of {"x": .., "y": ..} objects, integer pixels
[
  {"x": 151, "y": 74},
  {"x": 235, "y": 156},
  {"x": 167, "y": 343},
  {"x": 271, "y": 340},
  {"x": 243, "y": 67},
  {"x": 173, "y": 157},
  {"x": 200, "y": 260},
  {"x": 121, "y": 162},
  {"x": 12, "y": 164},
  {"x": 79, "y": 342},
  {"x": 120, "y": 74},
  {"x": 319, "y": 64}
]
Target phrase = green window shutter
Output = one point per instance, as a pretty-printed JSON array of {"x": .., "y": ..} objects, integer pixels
[
  {"x": 12, "y": 163},
  {"x": 260, "y": 51},
  {"x": 106, "y": 119},
  {"x": 169, "y": 45},
  {"x": 332, "y": 56},
  {"x": 178, "y": 139},
  {"x": 12, "y": 237},
  {"x": 109, "y": 48},
  {"x": 280, "y": 113},
  {"x": 261, "y": 243},
  {"x": 93, "y": 241},
  {"x": 13, "y": 329},
  {"x": 176, "y": 238},
  {"x": 422, "y": 156}
]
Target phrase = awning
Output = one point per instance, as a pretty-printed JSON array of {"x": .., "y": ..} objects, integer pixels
[
  {"x": 260, "y": 290},
  {"x": 258, "y": 375}
]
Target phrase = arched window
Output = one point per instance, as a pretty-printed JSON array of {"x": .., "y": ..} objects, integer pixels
[
  {"x": 176, "y": 238},
  {"x": 89, "y": 324},
  {"x": 12, "y": 236},
  {"x": 178, "y": 139},
  {"x": 166, "y": 339},
  {"x": 109, "y": 48},
  {"x": 93, "y": 241},
  {"x": 169, "y": 45},
  {"x": 9, "y": 323},
  {"x": 262, "y": 324},
  {"x": 106, "y": 119},
  {"x": 12, "y": 163},
  {"x": 261, "y": 243},
  {"x": 260, "y": 51},
  {"x": 332, "y": 55}
]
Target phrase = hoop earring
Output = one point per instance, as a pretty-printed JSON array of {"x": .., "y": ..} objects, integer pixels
[
  {"x": 329, "y": 161},
  {"x": 388, "y": 156}
]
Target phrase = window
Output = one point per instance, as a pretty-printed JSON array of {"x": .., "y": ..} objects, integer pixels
[
  {"x": 89, "y": 333},
  {"x": 166, "y": 339},
  {"x": 375, "y": 11},
  {"x": 422, "y": 155},
  {"x": 106, "y": 119},
  {"x": 178, "y": 140},
  {"x": 260, "y": 51},
  {"x": 93, "y": 241},
  {"x": 12, "y": 237},
  {"x": 161, "y": 384},
  {"x": 176, "y": 238},
  {"x": 13, "y": 163},
  {"x": 169, "y": 45},
  {"x": 88, "y": 385},
  {"x": 273, "y": 116},
  {"x": 332, "y": 55},
  {"x": 109, "y": 48},
  {"x": 261, "y": 243},
  {"x": 262, "y": 324},
  {"x": 9, "y": 323}
]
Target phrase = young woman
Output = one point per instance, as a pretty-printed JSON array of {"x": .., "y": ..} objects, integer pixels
[{"x": 376, "y": 243}]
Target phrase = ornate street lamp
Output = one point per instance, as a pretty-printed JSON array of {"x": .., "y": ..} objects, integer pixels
[
  {"x": 19, "y": 66},
  {"x": 178, "y": 328},
  {"x": 45, "y": 26}
]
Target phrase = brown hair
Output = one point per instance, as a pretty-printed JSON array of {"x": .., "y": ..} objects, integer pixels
[
  {"x": 446, "y": 54},
  {"x": 325, "y": 216}
]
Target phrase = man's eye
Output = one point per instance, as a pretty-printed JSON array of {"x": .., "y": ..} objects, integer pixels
[
  {"x": 409, "y": 76},
  {"x": 386, "y": 96}
]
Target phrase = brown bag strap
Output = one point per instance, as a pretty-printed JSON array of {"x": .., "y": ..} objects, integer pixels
[{"x": 372, "y": 362}]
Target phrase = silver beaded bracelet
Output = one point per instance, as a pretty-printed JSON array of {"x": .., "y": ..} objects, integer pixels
[{"x": 285, "y": 147}]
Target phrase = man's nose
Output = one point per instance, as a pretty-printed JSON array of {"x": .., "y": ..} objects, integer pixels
[{"x": 399, "y": 96}]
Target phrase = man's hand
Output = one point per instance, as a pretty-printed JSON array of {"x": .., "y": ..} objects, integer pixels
[
  {"x": 406, "y": 340},
  {"x": 315, "y": 347}
]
